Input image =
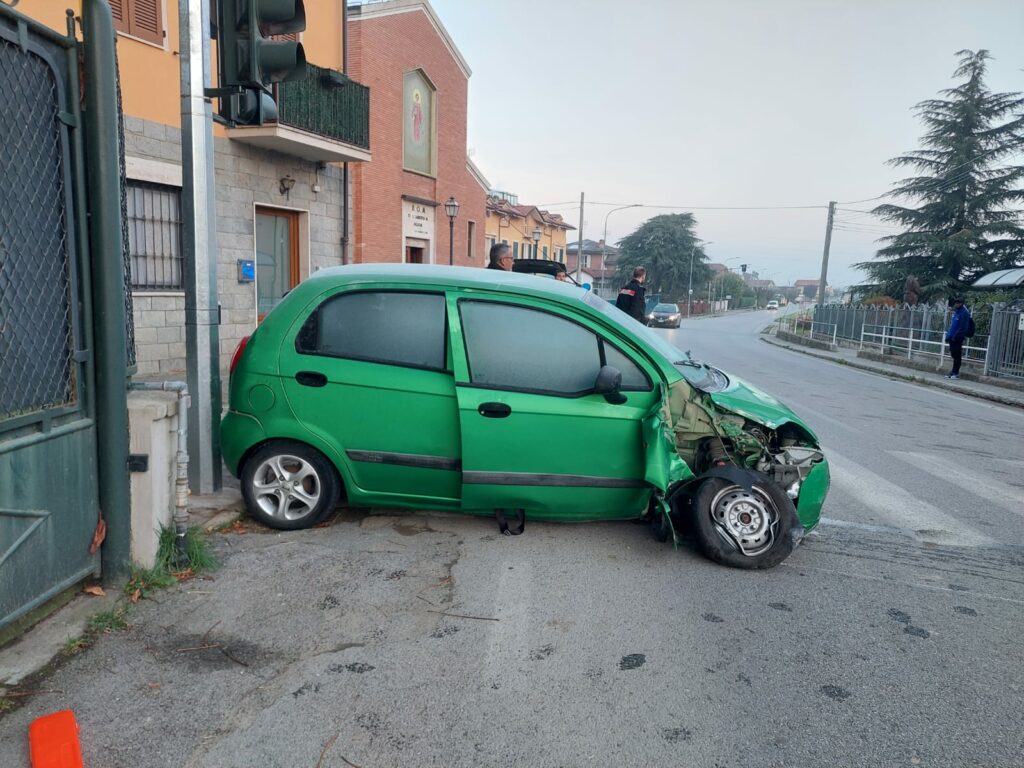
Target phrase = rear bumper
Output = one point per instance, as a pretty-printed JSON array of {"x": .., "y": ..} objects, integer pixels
[{"x": 238, "y": 433}]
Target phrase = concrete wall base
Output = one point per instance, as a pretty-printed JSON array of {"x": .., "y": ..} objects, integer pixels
[{"x": 153, "y": 423}]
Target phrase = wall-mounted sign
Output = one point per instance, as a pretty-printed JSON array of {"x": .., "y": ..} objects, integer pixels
[{"x": 246, "y": 270}]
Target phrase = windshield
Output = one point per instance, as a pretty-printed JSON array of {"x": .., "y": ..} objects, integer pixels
[
  {"x": 700, "y": 375},
  {"x": 666, "y": 308}
]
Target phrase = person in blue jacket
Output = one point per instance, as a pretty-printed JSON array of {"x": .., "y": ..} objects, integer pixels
[{"x": 958, "y": 330}]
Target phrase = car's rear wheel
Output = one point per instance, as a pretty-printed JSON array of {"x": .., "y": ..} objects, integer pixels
[
  {"x": 744, "y": 529},
  {"x": 289, "y": 485}
]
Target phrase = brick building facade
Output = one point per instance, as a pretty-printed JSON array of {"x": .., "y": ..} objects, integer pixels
[{"x": 420, "y": 86}]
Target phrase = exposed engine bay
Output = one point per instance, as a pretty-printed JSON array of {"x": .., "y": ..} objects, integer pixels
[{"x": 707, "y": 436}]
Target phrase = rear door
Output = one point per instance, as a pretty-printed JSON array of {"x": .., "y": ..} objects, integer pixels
[
  {"x": 368, "y": 373},
  {"x": 534, "y": 436}
]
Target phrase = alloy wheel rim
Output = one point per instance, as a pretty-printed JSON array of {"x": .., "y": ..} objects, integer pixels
[
  {"x": 747, "y": 520},
  {"x": 286, "y": 487}
]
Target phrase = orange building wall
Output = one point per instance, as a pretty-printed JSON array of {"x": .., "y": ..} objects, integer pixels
[{"x": 151, "y": 74}]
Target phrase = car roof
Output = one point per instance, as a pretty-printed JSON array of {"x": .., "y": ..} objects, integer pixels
[{"x": 444, "y": 276}]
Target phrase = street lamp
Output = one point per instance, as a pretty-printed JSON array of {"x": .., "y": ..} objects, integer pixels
[
  {"x": 536, "y": 240},
  {"x": 451, "y": 207},
  {"x": 604, "y": 239},
  {"x": 689, "y": 285}
]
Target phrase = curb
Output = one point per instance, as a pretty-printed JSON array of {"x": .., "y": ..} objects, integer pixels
[
  {"x": 898, "y": 376},
  {"x": 224, "y": 517}
]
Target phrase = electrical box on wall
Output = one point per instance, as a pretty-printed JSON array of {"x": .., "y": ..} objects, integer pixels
[{"x": 246, "y": 270}]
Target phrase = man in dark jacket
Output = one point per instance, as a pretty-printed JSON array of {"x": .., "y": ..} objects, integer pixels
[
  {"x": 958, "y": 329},
  {"x": 632, "y": 299},
  {"x": 500, "y": 257}
]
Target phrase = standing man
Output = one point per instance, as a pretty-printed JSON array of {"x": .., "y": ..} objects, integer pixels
[
  {"x": 959, "y": 329},
  {"x": 500, "y": 257},
  {"x": 632, "y": 299}
]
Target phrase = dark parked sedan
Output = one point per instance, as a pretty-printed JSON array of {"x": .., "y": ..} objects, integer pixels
[{"x": 664, "y": 316}]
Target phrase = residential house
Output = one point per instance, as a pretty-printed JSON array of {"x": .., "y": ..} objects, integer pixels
[
  {"x": 420, "y": 84},
  {"x": 809, "y": 290},
  {"x": 282, "y": 205},
  {"x": 599, "y": 261},
  {"x": 529, "y": 231}
]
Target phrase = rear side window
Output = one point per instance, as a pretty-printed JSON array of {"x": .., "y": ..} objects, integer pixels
[
  {"x": 511, "y": 347},
  {"x": 395, "y": 328}
]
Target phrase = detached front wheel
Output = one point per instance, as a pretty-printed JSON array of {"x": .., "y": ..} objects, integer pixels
[{"x": 744, "y": 529}]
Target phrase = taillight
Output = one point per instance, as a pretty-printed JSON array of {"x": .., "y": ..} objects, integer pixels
[{"x": 238, "y": 354}]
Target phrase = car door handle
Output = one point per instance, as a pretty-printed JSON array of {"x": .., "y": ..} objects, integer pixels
[
  {"x": 494, "y": 410},
  {"x": 311, "y": 379}
]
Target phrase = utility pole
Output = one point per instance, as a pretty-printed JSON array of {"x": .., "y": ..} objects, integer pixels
[
  {"x": 202, "y": 313},
  {"x": 579, "y": 244},
  {"x": 824, "y": 255}
]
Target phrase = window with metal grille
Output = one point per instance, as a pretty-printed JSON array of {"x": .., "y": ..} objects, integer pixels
[{"x": 154, "y": 236}]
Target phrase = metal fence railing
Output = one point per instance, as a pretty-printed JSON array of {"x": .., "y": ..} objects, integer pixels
[
  {"x": 912, "y": 342},
  {"x": 1006, "y": 343}
]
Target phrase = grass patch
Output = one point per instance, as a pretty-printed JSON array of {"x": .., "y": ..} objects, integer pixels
[
  {"x": 5, "y": 704},
  {"x": 106, "y": 622},
  {"x": 198, "y": 554},
  {"x": 146, "y": 581},
  {"x": 75, "y": 645}
]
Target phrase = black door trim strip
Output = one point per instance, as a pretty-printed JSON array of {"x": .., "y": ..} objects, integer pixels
[
  {"x": 406, "y": 460},
  {"x": 533, "y": 479}
]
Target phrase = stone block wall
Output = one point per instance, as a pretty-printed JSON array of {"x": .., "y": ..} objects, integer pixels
[{"x": 245, "y": 176}]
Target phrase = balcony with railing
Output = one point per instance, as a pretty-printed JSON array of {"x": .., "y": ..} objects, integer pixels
[{"x": 323, "y": 116}]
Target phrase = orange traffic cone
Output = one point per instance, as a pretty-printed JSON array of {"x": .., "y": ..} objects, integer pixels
[{"x": 53, "y": 741}]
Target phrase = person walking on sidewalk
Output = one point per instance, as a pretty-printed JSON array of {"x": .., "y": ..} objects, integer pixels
[
  {"x": 632, "y": 299},
  {"x": 959, "y": 329}
]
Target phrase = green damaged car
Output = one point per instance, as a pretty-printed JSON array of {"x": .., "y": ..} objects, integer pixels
[{"x": 493, "y": 393}]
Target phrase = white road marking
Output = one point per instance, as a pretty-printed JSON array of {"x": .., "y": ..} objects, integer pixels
[
  {"x": 510, "y": 637},
  {"x": 899, "y": 507},
  {"x": 999, "y": 493}
]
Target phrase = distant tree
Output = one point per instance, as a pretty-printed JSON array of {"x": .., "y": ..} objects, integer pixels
[
  {"x": 729, "y": 284},
  {"x": 663, "y": 245},
  {"x": 962, "y": 216}
]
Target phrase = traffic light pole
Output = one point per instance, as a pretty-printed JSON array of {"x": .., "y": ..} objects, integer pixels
[{"x": 202, "y": 334}]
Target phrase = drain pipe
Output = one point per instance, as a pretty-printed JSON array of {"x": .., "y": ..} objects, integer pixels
[{"x": 181, "y": 458}]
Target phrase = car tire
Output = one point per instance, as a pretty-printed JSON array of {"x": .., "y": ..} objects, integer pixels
[
  {"x": 751, "y": 530},
  {"x": 289, "y": 485}
]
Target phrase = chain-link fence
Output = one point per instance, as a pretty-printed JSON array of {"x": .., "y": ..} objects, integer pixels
[{"x": 36, "y": 279}]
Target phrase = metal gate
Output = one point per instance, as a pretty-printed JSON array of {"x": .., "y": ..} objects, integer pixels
[
  {"x": 48, "y": 464},
  {"x": 1006, "y": 343}
]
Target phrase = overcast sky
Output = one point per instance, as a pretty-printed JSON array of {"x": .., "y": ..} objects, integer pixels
[{"x": 717, "y": 103}]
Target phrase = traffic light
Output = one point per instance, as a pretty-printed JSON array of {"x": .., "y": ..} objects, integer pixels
[
  {"x": 743, "y": 268},
  {"x": 251, "y": 62}
]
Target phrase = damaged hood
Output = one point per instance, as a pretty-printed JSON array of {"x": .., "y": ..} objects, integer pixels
[{"x": 748, "y": 401}]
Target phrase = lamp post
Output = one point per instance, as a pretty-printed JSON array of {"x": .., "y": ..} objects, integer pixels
[
  {"x": 537, "y": 234},
  {"x": 689, "y": 284},
  {"x": 604, "y": 238},
  {"x": 451, "y": 207}
]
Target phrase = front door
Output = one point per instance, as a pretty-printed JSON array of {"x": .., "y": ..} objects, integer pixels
[
  {"x": 277, "y": 256},
  {"x": 369, "y": 374},
  {"x": 534, "y": 436}
]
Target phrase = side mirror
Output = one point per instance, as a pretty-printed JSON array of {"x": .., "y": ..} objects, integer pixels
[{"x": 609, "y": 382}]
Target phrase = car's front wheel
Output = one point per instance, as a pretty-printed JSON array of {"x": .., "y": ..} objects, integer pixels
[
  {"x": 289, "y": 485},
  {"x": 744, "y": 529}
]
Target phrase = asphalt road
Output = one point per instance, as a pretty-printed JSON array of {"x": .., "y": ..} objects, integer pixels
[{"x": 891, "y": 637}]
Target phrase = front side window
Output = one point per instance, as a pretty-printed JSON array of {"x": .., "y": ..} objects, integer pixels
[
  {"x": 407, "y": 329},
  {"x": 511, "y": 347}
]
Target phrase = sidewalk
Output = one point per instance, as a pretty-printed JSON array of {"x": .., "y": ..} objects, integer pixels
[{"x": 843, "y": 356}]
